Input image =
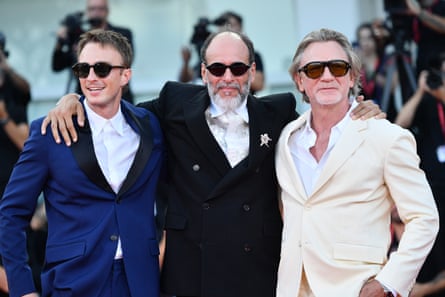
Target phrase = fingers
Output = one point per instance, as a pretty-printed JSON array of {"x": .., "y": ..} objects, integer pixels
[
  {"x": 360, "y": 98},
  {"x": 80, "y": 115},
  {"x": 367, "y": 109},
  {"x": 64, "y": 126},
  {"x": 61, "y": 125}
]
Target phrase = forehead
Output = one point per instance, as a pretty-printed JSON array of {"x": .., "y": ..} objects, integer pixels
[
  {"x": 227, "y": 48},
  {"x": 95, "y": 52},
  {"x": 323, "y": 51},
  {"x": 96, "y": 3}
]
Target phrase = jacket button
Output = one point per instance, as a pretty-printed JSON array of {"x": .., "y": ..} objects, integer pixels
[
  {"x": 247, "y": 248},
  {"x": 206, "y": 206},
  {"x": 246, "y": 207},
  {"x": 114, "y": 237},
  {"x": 196, "y": 167}
]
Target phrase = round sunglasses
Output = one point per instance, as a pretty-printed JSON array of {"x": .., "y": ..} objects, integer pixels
[
  {"x": 102, "y": 69},
  {"x": 315, "y": 70},
  {"x": 237, "y": 68}
]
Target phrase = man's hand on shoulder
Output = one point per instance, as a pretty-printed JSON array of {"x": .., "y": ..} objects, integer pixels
[
  {"x": 60, "y": 119},
  {"x": 367, "y": 109}
]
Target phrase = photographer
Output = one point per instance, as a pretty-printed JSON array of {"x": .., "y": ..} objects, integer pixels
[
  {"x": 429, "y": 29},
  {"x": 73, "y": 25},
  {"x": 227, "y": 20},
  {"x": 424, "y": 114}
]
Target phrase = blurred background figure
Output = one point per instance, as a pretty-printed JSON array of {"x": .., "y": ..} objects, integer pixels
[
  {"x": 424, "y": 115},
  {"x": 416, "y": 29},
  {"x": 72, "y": 26},
  {"x": 230, "y": 20},
  {"x": 375, "y": 78},
  {"x": 14, "y": 98},
  {"x": 428, "y": 29}
]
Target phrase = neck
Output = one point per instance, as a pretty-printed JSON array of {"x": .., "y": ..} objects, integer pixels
[
  {"x": 107, "y": 111},
  {"x": 324, "y": 117}
]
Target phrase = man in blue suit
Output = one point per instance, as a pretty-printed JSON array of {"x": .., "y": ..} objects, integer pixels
[{"x": 99, "y": 193}]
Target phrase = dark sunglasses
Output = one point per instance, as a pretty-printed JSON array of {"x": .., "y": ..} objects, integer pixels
[
  {"x": 101, "y": 69},
  {"x": 237, "y": 69},
  {"x": 315, "y": 69}
]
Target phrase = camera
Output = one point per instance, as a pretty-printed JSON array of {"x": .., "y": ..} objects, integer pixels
[
  {"x": 434, "y": 79},
  {"x": 400, "y": 29},
  {"x": 74, "y": 23},
  {"x": 200, "y": 31}
]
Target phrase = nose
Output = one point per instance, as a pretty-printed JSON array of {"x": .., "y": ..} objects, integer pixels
[
  {"x": 326, "y": 74},
  {"x": 228, "y": 75},
  {"x": 91, "y": 74}
]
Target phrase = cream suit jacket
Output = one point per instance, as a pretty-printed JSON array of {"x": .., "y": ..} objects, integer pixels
[{"x": 341, "y": 232}]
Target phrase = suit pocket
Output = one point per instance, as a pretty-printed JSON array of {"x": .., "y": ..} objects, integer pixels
[
  {"x": 63, "y": 252},
  {"x": 174, "y": 221},
  {"x": 362, "y": 253}
]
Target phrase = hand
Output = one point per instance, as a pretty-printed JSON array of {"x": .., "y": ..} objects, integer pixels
[
  {"x": 367, "y": 109},
  {"x": 61, "y": 120},
  {"x": 186, "y": 54},
  {"x": 372, "y": 289},
  {"x": 413, "y": 6},
  {"x": 62, "y": 32},
  {"x": 419, "y": 290},
  {"x": 3, "y": 112},
  {"x": 421, "y": 83}
]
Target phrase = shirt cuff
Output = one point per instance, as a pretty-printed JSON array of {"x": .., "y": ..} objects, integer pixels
[{"x": 387, "y": 288}]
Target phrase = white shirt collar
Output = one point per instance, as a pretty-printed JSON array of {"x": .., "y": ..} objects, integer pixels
[
  {"x": 309, "y": 134},
  {"x": 98, "y": 122}
]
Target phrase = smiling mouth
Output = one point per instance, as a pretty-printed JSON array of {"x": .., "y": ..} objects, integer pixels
[{"x": 95, "y": 89}]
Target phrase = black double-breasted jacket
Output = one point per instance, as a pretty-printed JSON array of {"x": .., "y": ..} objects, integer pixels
[{"x": 223, "y": 224}]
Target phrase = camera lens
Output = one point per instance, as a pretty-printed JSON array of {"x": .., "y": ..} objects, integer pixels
[{"x": 434, "y": 79}]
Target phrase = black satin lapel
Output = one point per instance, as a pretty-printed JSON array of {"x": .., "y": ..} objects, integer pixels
[
  {"x": 83, "y": 151},
  {"x": 261, "y": 124},
  {"x": 199, "y": 130},
  {"x": 144, "y": 150}
]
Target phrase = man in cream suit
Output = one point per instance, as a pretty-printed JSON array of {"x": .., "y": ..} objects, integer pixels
[{"x": 339, "y": 180}]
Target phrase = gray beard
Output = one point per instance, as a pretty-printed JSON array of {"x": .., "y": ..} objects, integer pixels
[{"x": 228, "y": 104}]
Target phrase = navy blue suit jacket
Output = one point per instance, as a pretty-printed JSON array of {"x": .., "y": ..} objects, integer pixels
[{"x": 85, "y": 217}]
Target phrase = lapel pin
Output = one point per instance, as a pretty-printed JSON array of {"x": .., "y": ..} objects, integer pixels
[{"x": 264, "y": 138}]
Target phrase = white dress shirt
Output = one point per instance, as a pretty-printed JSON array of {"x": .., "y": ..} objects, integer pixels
[
  {"x": 115, "y": 145},
  {"x": 231, "y": 130},
  {"x": 300, "y": 143}
]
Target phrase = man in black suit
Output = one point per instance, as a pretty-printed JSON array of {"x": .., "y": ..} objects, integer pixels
[{"x": 223, "y": 224}]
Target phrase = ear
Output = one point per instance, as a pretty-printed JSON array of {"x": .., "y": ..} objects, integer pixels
[
  {"x": 252, "y": 72},
  {"x": 126, "y": 76},
  {"x": 298, "y": 79},
  {"x": 351, "y": 81},
  {"x": 204, "y": 73}
]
